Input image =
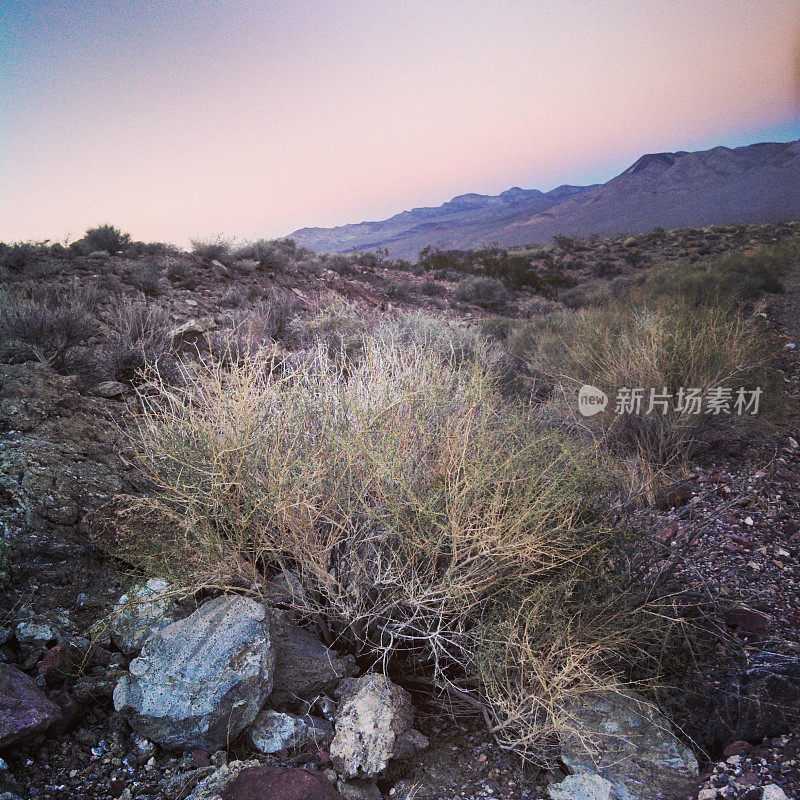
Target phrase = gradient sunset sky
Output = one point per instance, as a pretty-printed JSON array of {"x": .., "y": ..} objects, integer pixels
[{"x": 188, "y": 119}]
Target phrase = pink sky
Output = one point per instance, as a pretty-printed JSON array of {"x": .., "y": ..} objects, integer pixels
[{"x": 253, "y": 119}]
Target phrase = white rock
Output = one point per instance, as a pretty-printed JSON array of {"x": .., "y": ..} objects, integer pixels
[
  {"x": 273, "y": 731},
  {"x": 583, "y": 786},
  {"x": 139, "y": 614},
  {"x": 373, "y": 725},
  {"x": 201, "y": 681}
]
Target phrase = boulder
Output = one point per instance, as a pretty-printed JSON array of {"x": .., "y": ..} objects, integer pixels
[
  {"x": 202, "y": 680},
  {"x": 141, "y": 612},
  {"x": 582, "y": 786},
  {"x": 24, "y": 709},
  {"x": 304, "y": 667},
  {"x": 273, "y": 731},
  {"x": 252, "y": 781},
  {"x": 629, "y": 743},
  {"x": 760, "y": 701},
  {"x": 373, "y": 725}
]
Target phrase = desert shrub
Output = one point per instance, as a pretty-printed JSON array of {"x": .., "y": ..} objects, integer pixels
[
  {"x": 409, "y": 500},
  {"x": 146, "y": 278},
  {"x": 249, "y": 334},
  {"x": 339, "y": 263},
  {"x": 47, "y": 326},
  {"x": 634, "y": 257},
  {"x": 215, "y": 248},
  {"x": 399, "y": 292},
  {"x": 488, "y": 293},
  {"x": 457, "y": 344},
  {"x": 431, "y": 288},
  {"x": 276, "y": 255},
  {"x": 18, "y": 256},
  {"x": 178, "y": 271},
  {"x": 568, "y": 243},
  {"x": 737, "y": 277},
  {"x": 663, "y": 347},
  {"x": 162, "y": 249},
  {"x": 105, "y": 237},
  {"x": 340, "y": 327},
  {"x": 138, "y": 341}
]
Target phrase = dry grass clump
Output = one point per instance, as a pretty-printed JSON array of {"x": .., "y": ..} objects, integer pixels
[
  {"x": 409, "y": 500},
  {"x": 663, "y": 346},
  {"x": 215, "y": 248}
]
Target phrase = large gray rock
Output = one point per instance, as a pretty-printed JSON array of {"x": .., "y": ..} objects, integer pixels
[
  {"x": 304, "y": 667},
  {"x": 141, "y": 612},
  {"x": 630, "y": 743},
  {"x": 373, "y": 725},
  {"x": 201, "y": 681},
  {"x": 273, "y": 731}
]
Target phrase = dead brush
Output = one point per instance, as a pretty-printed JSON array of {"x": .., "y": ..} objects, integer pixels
[
  {"x": 663, "y": 346},
  {"x": 407, "y": 498}
]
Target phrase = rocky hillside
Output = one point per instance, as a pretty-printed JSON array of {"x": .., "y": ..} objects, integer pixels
[
  {"x": 757, "y": 183},
  {"x": 115, "y": 684}
]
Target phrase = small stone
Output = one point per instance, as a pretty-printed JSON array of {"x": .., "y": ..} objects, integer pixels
[
  {"x": 739, "y": 748},
  {"x": 773, "y": 792},
  {"x": 111, "y": 390}
]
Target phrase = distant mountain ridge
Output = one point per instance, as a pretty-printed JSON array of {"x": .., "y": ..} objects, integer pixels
[{"x": 754, "y": 183}]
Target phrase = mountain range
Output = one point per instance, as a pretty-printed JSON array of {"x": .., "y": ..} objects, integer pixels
[{"x": 755, "y": 183}]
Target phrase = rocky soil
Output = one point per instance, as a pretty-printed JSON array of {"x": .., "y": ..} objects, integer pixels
[{"x": 89, "y": 703}]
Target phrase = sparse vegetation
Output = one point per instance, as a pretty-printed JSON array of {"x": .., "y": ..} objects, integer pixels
[
  {"x": 216, "y": 248},
  {"x": 489, "y": 293},
  {"x": 106, "y": 238},
  {"x": 46, "y": 326}
]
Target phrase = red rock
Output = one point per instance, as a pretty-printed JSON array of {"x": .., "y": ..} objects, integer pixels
[
  {"x": 739, "y": 748},
  {"x": 24, "y": 709},
  {"x": 276, "y": 783},
  {"x": 668, "y": 533},
  {"x": 61, "y": 661},
  {"x": 747, "y": 619},
  {"x": 200, "y": 758}
]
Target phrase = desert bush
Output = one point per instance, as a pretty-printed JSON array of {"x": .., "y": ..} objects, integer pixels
[
  {"x": 255, "y": 329},
  {"x": 47, "y": 325},
  {"x": 340, "y": 327},
  {"x": 736, "y": 277},
  {"x": 488, "y": 293},
  {"x": 339, "y": 263},
  {"x": 430, "y": 288},
  {"x": 663, "y": 347},
  {"x": 105, "y": 237},
  {"x": 18, "y": 256},
  {"x": 146, "y": 278},
  {"x": 407, "y": 497},
  {"x": 457, "y": 344},
  {"x": 138, "y": 341},
  {"x": 215, "y": 248},
  {"x": 276, "y": 255}
]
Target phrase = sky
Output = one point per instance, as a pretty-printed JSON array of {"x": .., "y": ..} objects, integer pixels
[{"x": 194, "y": 118}]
